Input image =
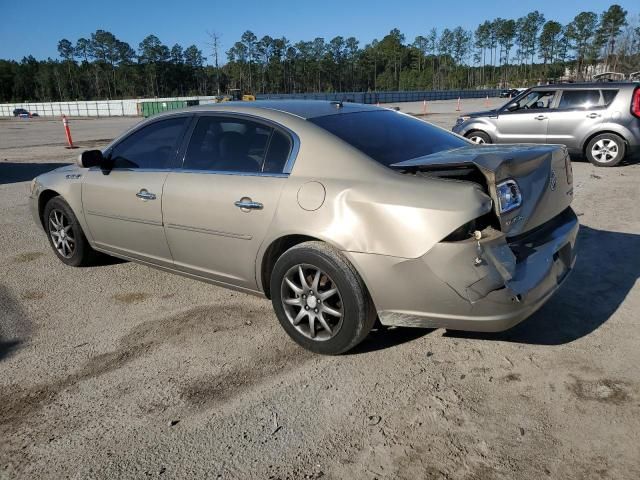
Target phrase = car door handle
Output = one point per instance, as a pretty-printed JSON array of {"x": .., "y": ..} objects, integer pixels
[
  {"x": 248, "y": 204},
  {"x": 145, "y": 194},
  {"x": 593, "y": 115},
  {"x": 540, "y": 117}
]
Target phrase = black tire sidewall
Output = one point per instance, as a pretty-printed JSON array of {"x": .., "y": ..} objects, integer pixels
[
  {"x": 357, "y": 307},
  {"x": 83, "y": 251},
  {"x": 622, "y": 149}
]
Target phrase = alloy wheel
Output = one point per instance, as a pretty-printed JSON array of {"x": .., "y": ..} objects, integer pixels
[
  {"x": 312, "y": 302},
  {"x": 476, "y": 139},
  {"x": 61, "y": 233},
  {"x": 604, "y": 150}
]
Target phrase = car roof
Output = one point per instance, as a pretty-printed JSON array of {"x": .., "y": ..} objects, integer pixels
[
  {"x": 570, "y": 86},
  {"x": 305, "y": 109}
]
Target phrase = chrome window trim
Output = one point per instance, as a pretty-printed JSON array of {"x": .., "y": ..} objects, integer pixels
[
  {"x": 206, "y": 172},
  {"x": 230, "y": 172},
  {"x": 124, "y": 169}
]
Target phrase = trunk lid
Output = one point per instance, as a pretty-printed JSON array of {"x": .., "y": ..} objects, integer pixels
[{"x": 542, "y": 172}]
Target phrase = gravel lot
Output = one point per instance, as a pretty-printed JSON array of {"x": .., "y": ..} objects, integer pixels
[{"x": 121, "y": 371}]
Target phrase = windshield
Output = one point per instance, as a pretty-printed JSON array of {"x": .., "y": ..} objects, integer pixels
[{"x": 387, "y": 136}]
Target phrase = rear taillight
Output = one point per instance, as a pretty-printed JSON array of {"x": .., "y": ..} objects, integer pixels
[{"x": 635, "y": 103}]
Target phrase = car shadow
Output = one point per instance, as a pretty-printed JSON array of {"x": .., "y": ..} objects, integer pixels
[
  {"x": 628, "y": 160},
  {"x": 382, "y": 338},
  {"x": 15, "y": 325},
  {"x": 14, "y": 172},
  {"x": 104, "y": 260},
  {"x": 607, "y": 267}
]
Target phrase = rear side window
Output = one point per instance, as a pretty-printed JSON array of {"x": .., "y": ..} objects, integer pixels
[
  {"x": 580, "y": 99},
  {"x": 389, "y": 137},
  {"x": 278, "y": 153},
  {"x": 608, "y": 96},
  {"x": 154, "y": 146},
  {"x": 225, "y": 144}
]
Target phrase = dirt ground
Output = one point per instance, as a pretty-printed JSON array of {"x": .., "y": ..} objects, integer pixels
[{"x": 122, "y": 371}]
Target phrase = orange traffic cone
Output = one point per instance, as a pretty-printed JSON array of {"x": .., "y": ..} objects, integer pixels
[
  {"x": 67, "y": 132},
  {"x": 486, "y": 102},
  {"x": 424, "y": 107}
]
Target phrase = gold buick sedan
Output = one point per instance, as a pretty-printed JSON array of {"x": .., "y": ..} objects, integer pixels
[{"x": 340, "y": 213}]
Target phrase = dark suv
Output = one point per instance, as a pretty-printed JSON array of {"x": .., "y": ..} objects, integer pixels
[
  {"x": 21, "y": 112},
  {"x": 599, "y": 120}
]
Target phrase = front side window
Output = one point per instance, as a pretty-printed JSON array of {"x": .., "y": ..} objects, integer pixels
[
  {"x": 534, "y": 101},
  {"x": 579, "y": 99},
  {"x": 387, "y": 136},
  {"x": 154, "y": 146},
  {"x": 225, "y": 144}
]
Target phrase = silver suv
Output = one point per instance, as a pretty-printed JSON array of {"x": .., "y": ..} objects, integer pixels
[{"x": 598, "y": 120}]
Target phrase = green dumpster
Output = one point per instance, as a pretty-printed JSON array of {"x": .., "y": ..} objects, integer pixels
[{"x": 149, "y": 108}]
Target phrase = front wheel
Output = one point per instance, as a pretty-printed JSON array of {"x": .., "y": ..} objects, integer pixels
[
  {"x": 479, "y": 137},
  {"x": 606, "y": 150},
  {"x": 65, "y": 234},
  {"x": 320, "y": 300}
]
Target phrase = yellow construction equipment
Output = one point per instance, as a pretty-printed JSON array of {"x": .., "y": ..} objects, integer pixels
[{"x": 235, "y": 94}]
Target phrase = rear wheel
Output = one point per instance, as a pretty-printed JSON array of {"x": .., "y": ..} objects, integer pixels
[
  {"x": 478, "y": 136},
  {"x": 606, "y": 150},
  {"x": 65, "y": 234},
  {"x": 320, "y": 300}
]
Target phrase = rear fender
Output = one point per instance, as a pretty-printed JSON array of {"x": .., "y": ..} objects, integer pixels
[
  {"x": 607, "y": 127},
  {"x": 404, "y": 218}
]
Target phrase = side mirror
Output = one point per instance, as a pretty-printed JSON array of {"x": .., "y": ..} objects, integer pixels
[
  {"x": 512, "y": 106},
  {"x": 90, "y": 158}
]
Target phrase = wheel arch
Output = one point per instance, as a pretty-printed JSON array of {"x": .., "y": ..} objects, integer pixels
[
  {"x": 44, "y": 198},
  {"x": 271, "y": 254},
  {"x": 586, "y": 141},
  {"x": 482, "y": 124},
  {"x": 479, "y": 130}
]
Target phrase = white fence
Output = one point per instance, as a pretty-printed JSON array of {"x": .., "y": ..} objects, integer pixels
[{"x": 91, "y": 108}]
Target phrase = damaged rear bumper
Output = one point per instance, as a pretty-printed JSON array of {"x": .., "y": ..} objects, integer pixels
[{"x": 486, "y": 285}]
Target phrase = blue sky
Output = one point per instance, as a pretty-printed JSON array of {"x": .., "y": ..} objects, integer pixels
[{"x": 34, "y": 27}]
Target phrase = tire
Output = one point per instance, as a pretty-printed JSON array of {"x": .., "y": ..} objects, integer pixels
[
  {"x": 479, "y": 137},
  {"x": 312, "y": 309},
  {"x": 71, "y": 247},
  {"x": 606, "y": 150}
]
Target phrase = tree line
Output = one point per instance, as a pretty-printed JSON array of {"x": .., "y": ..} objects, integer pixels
[{"x": 498, "y": 53}]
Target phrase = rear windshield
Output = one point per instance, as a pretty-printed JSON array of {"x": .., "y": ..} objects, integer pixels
[{"x": 387, "y": 136}]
